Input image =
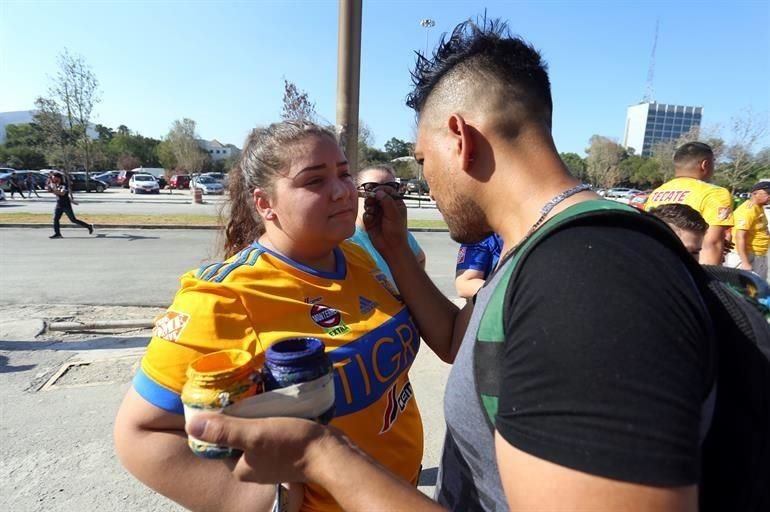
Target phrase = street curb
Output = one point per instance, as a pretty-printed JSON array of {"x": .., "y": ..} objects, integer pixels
[{"x": 170, "y": 226}]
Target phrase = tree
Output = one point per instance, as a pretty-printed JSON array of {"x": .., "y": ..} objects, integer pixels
[
  {"x": 296, "y": 104},
  {"x": 396, "y": 148},
  {"x": 22, "y": 157},
  {"x": 603, "y": 161},
  {"x": 19, "y": 135},
  {"x": 165, "y": 154},
  {"x": 75, "y": 90},
  {"x": 575, "y": 164},
  {"x": 56, "y": 139},
  {"x": 740, "y": 166},
  {"x": 105, "y": 133},
  {"x": 183, "y": 140},
  {"x": 127, "y": 161}
]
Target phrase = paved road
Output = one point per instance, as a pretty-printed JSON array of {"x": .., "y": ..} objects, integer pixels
[
  {"x": 58, "y": 396},
  {"x": 133, "y": 267},
  {"x": 118, "y": 200}
]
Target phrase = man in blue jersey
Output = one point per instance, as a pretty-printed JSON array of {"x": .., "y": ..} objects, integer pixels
[{"x": 475, "y": 262}]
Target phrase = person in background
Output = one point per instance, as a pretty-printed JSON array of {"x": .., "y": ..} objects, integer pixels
[
  {"x": 688, "y": 225},
  {"x": 31, "y": 186},
  {"x": 15, "y": 185},
  {"x": 693, "y": 168},
  {"x": 289, "y": 272},
  {"x": 368, "y": 180},
  {"x": 57, "y": 185},
  {"x": 474, "y": 264},
  {"x": 750, "y": 233}
]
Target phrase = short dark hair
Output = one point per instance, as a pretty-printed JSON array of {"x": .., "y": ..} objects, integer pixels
[
  {"x": 485, "y": 50},
  {"x": 692, "y": 151},
  {"x": 680, "y": 216}
]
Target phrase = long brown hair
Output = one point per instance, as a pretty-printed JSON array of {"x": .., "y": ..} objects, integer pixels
[{"x": 265, "y": 155}]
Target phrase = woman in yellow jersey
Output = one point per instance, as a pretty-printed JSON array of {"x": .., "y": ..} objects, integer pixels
[{"x": 289, "y": 272}]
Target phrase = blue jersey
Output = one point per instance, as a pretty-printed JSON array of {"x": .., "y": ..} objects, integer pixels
[
  {"x": 361, "y": 239},
  {"x": 481, "y": 256}
]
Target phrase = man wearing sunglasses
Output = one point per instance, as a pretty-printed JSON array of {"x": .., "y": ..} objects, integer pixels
[{"x": 370, "y": 179}]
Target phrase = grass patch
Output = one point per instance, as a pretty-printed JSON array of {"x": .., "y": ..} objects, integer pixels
[
  {"x": 155, "y": 220},
  {"x": 426, "y": 223},
  {"x": 114, "y": 219}
]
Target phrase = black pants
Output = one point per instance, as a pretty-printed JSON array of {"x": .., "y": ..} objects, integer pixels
[
  {"x": 66, "y": 210},
  {"x": 15, "y": 188}
]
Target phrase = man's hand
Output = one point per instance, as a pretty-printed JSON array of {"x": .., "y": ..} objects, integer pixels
[
  {"x": 275, "y": 450},
  {"x": 294, "y": 450},
  {"x": 746, "y": 266},
  {"x": 385, "y": 220}
]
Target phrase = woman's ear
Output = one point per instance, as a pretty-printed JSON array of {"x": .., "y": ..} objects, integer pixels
[{"x": 262, "y": 204}]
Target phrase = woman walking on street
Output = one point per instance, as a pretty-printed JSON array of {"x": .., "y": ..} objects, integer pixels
[{"x": 58, "y": 187}]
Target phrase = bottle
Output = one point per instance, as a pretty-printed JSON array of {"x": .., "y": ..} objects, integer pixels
[
  {"x": 294, "y": 361},
  {"x": 215, "y": 381},
  {"x": 297, "y": 360}
]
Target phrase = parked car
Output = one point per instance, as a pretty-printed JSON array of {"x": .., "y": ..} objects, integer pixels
[
  {"x": 179, "y": 181},
  {"x": 109, "y": 177},
  {"x": 162, "y": 183},
  {"x": 39, "y": 179},
  {"x": 143, "y": 184},
  {"x": 5, "y": 178},
  {"x": 621, "y": 193},
  {"x": 219, "y": 176},
  {"x": 124, "y": 177},
  {"x": 78, "y": 183},
  {"x": 2, "y": 195},
  {"x": 417, "y": 187},
  {"x": 208, "y": 185},
  {"x": 639, "y": 199}
]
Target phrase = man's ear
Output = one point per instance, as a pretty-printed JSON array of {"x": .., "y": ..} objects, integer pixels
[
  {"x": 462, "y": 136},
  {"x": 262, "y": 203}
]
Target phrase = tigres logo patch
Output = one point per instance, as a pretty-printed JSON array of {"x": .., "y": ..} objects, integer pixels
[{"x": 170, "y": 326}]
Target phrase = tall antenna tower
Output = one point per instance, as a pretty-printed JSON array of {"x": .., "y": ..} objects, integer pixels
[{"x": 649, "y": 92}]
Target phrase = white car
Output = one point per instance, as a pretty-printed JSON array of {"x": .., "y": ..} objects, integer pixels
[
  {"x": 208, "y": 185},
  {"x": 2, "y": 194},
  {"x": 143, "y": 184}
]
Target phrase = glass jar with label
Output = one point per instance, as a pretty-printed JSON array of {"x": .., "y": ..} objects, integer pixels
[{"x": 215, "y": 381}]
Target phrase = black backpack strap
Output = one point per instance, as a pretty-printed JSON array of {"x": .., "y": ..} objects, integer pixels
[{"x": 491, "y": 336}]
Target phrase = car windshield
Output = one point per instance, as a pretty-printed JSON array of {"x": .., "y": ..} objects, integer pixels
[
  {"x": 144, "y": 178},
  {"x": 206, "y": 179}
]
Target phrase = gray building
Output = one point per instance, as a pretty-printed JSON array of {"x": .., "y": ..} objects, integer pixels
[{"x": 649, "y": 123}]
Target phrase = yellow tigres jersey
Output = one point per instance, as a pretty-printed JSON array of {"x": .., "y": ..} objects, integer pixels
[
  {"x": 714, "y": 203},
  {"x": 751, "y": 218},
  {"x": 258, "y": 297}
]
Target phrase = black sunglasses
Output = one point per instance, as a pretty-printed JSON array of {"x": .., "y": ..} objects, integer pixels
[{"x": 371, "y": 186}]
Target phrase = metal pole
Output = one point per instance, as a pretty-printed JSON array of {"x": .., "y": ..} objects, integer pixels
[{"x": 348, "y": 77}]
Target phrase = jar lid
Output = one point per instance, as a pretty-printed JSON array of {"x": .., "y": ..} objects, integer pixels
[{"x": 294, "y": 351}]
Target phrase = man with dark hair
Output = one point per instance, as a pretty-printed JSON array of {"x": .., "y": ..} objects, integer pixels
[
  {"x": 594, "y": 354},
  {"x": 693, "y": 167},
  {"x": 751, "y": 236},
  {"x": 688, "y": 225},
  {"x": 57, "y": 185}
]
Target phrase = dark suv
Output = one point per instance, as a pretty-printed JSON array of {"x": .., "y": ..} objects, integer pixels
[
  {"x": 78, "y": 183},
  {"x": 417, "y": 187}
]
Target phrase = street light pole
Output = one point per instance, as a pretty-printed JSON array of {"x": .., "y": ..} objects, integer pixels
[
  {"x": 348, "y": 78},
  {"x": 427, "y": 24}
]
